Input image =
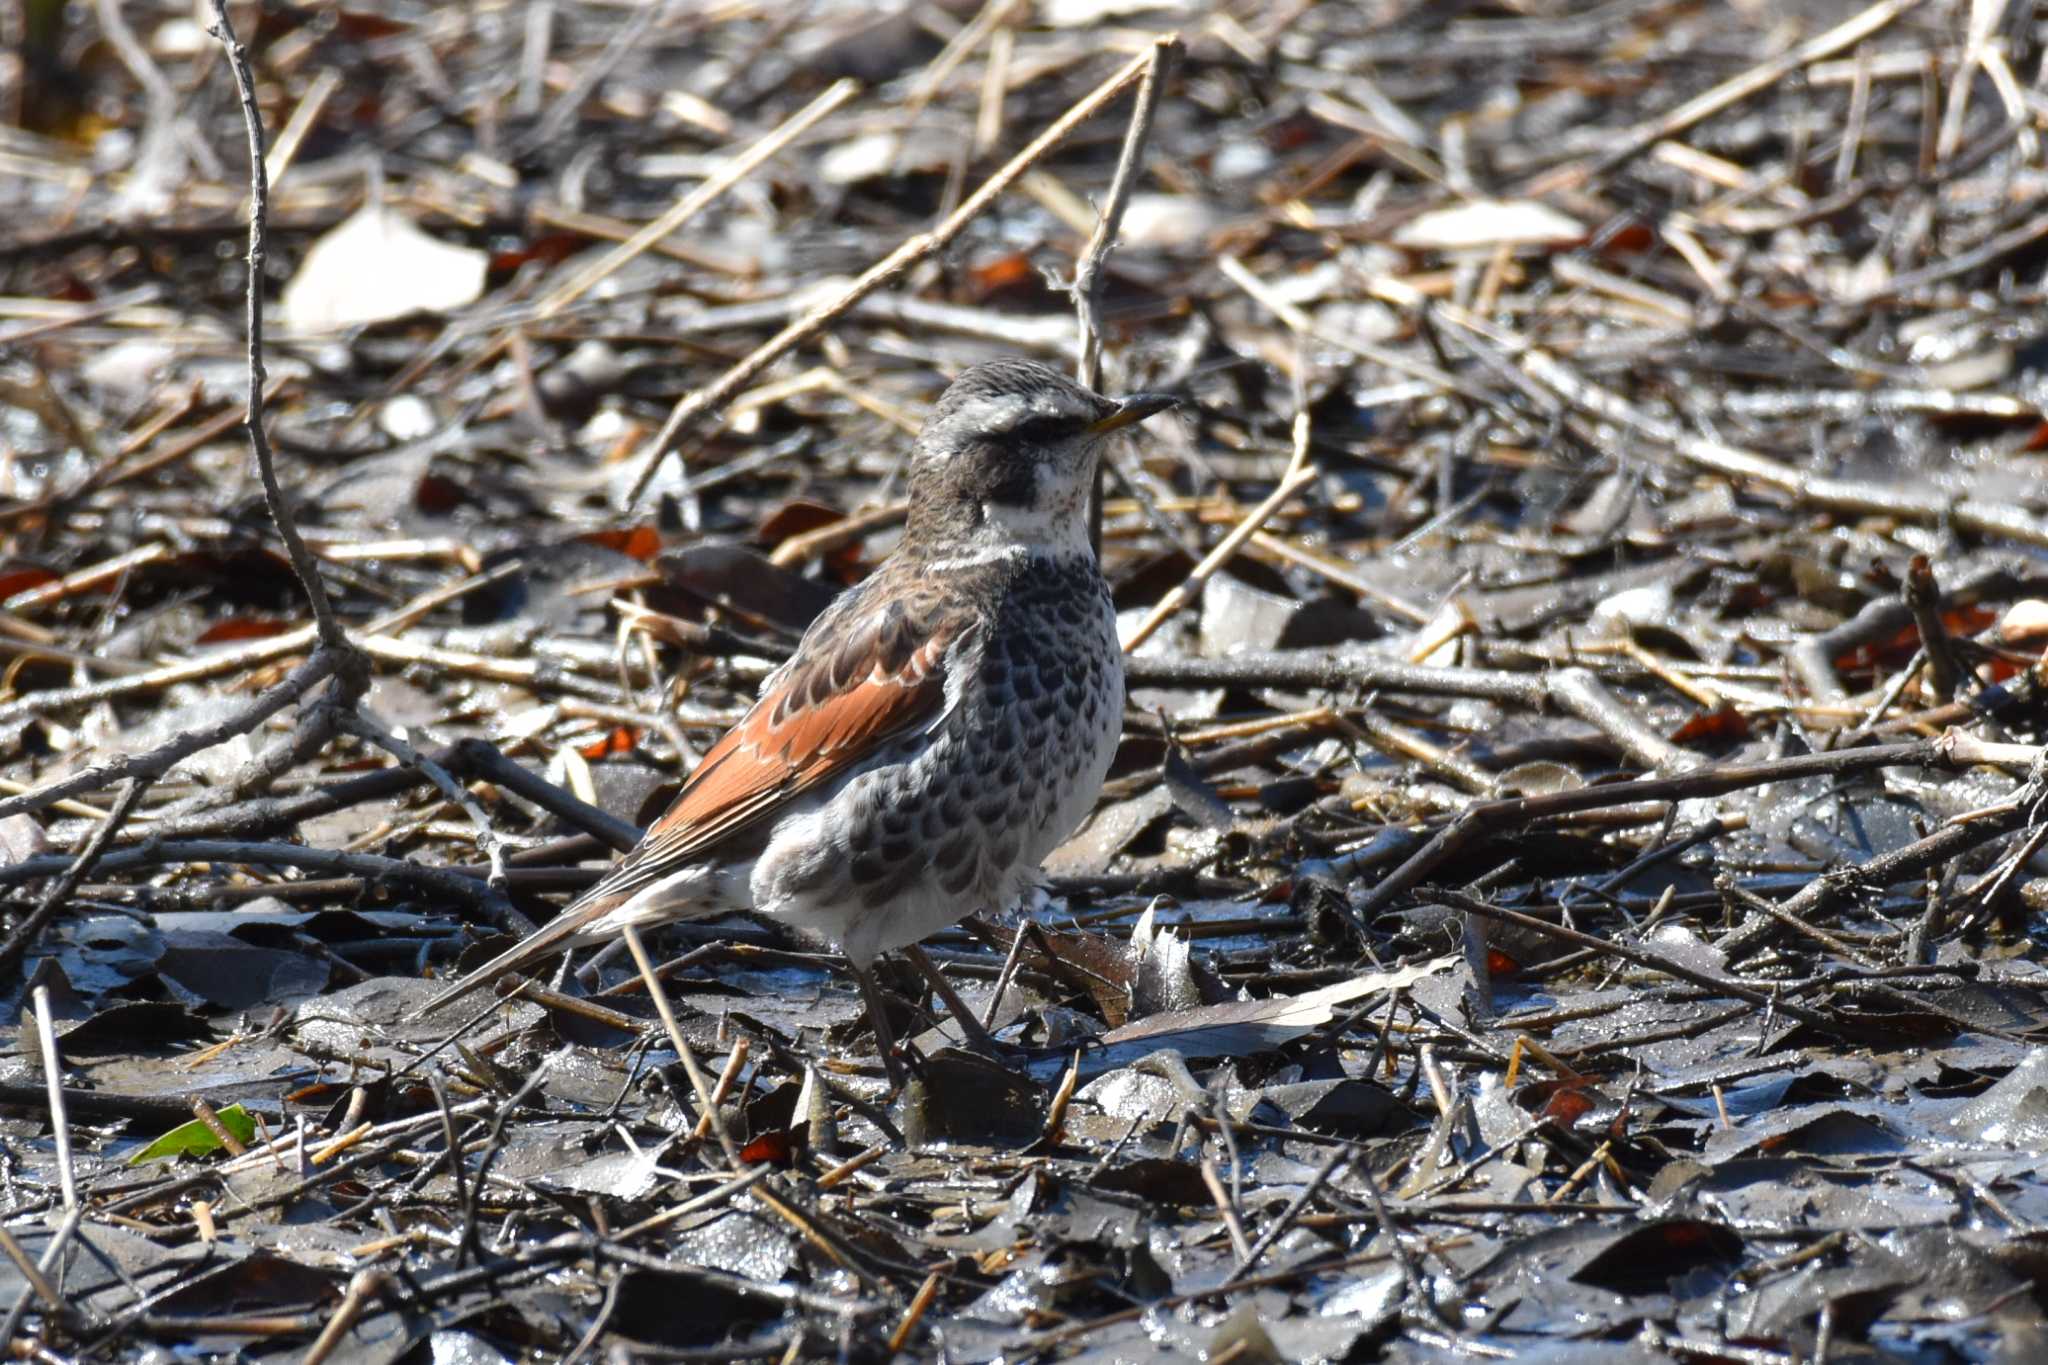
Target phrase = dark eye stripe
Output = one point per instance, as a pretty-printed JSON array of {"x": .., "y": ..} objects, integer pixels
[{"x": 1044, "y": 428}]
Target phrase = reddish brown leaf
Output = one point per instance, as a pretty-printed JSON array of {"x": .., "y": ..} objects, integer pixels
[
  {"x": 620, "y": 740},
  {"x": 13, "y": 581},
  {"x": 1293, "y": 132},
  {"x": 362, "y": 26},
  {"x": 1564, "y": 1101},
  {"x": 641, "y": 542},
  {"x": 551, "y": 249},
  {"x": 1629, "y": 240},
  {"x": 1724, "y": 724},
  {"x": 1567, "y": 1106},
  {"x": 794, "y": 518},
  {"x": 1893, "y": 651},
  {"x": 242, "y": 628},
  {"x": 775, "y": 1148},
  {"x": 1004, "y": 272},
  {"x": 1969, "y": 620},
  {"x": 438, "y": 496}
]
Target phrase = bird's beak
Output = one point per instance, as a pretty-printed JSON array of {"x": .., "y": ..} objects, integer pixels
[{"x": 1135, "y": 408}]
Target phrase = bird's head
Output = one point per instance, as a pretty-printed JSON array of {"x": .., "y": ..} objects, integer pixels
[{"x": 1007, "y": 458}]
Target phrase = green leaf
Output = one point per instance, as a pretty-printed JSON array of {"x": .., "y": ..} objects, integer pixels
[{"x": 196, "y": 1139}]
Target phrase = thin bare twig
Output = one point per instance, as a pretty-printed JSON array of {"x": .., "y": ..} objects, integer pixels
[
  {"x": 1225, "y": 1207},
  {"x": 168, "y": 755},
  {"x": 1934, "y": 505},
  {"x": 365, "y": 1285},
  {"x": 467, "y": 890},
  {"x": 1952, "y": 750},
  {"x": 696, "y": 201},
  {"x": 1087, "y": 285},
  {"x": 53, "y": 1079},
  {"x": 52, "y": 1254},
  {"x": 1332, "y": 1165},
  {"x": 1642, "y": 957},
  {"x": 702, "y": 402},
  {"x": 32, "y": 1273},
  {"x": 274, "y": 498},
  {"x": 1731, "y": 91},
  {"x": 1923, "y": 599},
  {"x": 706, "y": 1100},
  {"x": 1190, "y": 587},
  {"x": 1086, "y": 288},
  {"x": 368, "y": 728},
  {"x": 336, "y": 655}
]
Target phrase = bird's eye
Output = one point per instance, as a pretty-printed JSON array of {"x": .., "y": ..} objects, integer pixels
[{"x": 1038, "y": 430}]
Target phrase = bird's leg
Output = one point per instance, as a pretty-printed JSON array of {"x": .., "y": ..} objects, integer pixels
[
  {"x": 878, "y": 1019},
  {"x": 977, "y": 1037}
]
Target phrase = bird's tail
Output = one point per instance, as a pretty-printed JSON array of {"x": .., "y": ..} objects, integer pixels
[{"x": 570, "y": 929}]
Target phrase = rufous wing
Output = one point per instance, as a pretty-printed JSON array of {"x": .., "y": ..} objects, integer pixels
[{"x": 854, "y": 687}]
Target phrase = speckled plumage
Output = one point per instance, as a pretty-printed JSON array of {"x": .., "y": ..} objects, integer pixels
[
  {"x": 941, "y": 726},
  {"x": 957, "y": 817}
]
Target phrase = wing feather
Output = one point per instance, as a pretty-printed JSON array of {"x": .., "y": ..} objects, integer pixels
[{"x": 816, "y": 723}]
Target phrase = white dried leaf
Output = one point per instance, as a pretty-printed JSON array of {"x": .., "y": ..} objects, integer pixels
[
  {"x": 1162, "y": 976},
  {"x": 1168, "y": 220},
  {"x": 375, "y": 266},
  {"x": 1238, "y": 1027},
  {"x": 1979, "y": 369},
  {"x": 2025, "y": 623},
  {"x": 861, "y": 158},
  {"x": 1489, "y": 222},
  {"x": 1650, "y": 604},
  {"x": 875, "y": 155}
]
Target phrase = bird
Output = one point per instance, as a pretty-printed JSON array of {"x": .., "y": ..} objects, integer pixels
[{"x": 940, "y": 728}]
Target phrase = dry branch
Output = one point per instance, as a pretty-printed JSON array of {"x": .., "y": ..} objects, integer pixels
[{"x": 707, "y": 401}]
